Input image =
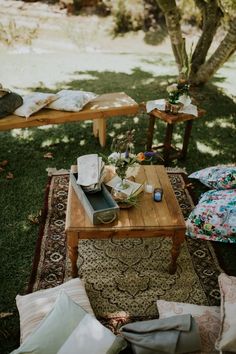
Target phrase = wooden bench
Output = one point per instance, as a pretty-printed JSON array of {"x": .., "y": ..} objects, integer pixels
[{"x": 102, "y": 107}]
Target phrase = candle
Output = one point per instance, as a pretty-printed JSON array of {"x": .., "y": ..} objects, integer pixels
[{"x": 148, "y": 188}]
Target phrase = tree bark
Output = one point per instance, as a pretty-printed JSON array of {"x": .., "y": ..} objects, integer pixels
[
  {"x": 226, "y": 48},
  {"x": 211, "y": 20},
  {"x": 172, "y": 18}
]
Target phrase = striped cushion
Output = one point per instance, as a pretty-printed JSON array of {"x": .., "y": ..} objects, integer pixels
[{"x": 35, "y": 306}]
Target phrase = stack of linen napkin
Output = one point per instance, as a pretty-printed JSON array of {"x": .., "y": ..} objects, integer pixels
[{"x": 90, "y": 172}]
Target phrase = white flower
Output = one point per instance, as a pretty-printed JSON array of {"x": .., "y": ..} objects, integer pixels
[
  {"x": 172, "y": 88},
  {"x": 116, "y": 156}
]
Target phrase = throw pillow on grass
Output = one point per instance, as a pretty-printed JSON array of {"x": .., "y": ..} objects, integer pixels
[
  {"x": 57, "y": 327},
  {"x": 217, "y": 177},
  {"x": 214, "y": 217},
  {"x": 35, "y": 306},
  {"x": 206, "y": 317}
]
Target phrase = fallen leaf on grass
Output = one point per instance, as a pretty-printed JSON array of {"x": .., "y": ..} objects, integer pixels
[
  {"x": 5, "y": 314},
  {"x": 35, "y": 218},
  {"x": 48, "y": 155},
  {"x": 9, "y": 175},
  {"x": 3, "y": 163},
  {"x": 1, "y": 169}
]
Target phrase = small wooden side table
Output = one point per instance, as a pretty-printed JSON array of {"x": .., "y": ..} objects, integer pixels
[{"x": 171, "y": 120}]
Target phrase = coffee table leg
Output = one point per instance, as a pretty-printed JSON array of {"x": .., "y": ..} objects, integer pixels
[
  {"x": 177, "y": 240},
  {"x": 72, "y": 244}
]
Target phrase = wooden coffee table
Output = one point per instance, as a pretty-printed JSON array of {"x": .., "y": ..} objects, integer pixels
[{"x": 149, "y": 219}]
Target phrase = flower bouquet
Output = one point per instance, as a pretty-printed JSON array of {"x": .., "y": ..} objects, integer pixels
[
  {"x": 125, "y": 190},
  {"x": 178, "y": 97}
]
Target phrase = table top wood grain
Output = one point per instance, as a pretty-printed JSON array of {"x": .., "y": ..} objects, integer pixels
[{"x": 149, "y": 216}]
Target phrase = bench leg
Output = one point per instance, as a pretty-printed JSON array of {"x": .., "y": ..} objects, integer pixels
[
  {"x": 102, "y": 131},
  {"x": 95, "y": 128}
]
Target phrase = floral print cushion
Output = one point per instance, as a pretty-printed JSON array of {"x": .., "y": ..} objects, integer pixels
[
  {"x": 214, "y": 217},
  {"x": 217, "y": 177}
]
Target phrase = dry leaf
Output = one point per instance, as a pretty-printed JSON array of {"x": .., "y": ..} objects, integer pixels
[
  {"x": 5, "y": 314},
  {"x": 3, "y": 163},
  {"x": 48, "y": 155},
  {"x": 1, "y": 169},
  {"x": 35, "y": 218},
  {"x": 9, "y": 175}
]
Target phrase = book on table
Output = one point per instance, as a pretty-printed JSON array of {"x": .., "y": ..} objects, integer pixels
[{"x": 133, "y": 188}]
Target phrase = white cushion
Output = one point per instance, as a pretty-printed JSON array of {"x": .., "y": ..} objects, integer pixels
[
  {"x": 33, "y": 102},
  {"x": 71, "y": 100},
  {"x": 35, "y": 306}
]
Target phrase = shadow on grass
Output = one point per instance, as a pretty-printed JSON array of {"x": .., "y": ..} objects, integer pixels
[{"x": 212, "y": 142}]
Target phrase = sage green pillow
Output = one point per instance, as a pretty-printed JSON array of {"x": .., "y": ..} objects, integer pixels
[{"x": 55, "y": 328}]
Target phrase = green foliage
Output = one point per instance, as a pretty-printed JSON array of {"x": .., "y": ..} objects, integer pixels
[
  {"x": 122, "y": 19},
  {"x": 190, "y": 13}
]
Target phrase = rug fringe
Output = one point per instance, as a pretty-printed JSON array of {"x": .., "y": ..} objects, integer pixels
[
  {"x": 176, "y": 170},
  {"x": 53, "y": 171}
]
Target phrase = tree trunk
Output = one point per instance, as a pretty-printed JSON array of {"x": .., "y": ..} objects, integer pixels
[
  {"x": 211, "y": 14},
  {"x": 226, "y": 48},
  {"x": 172, "y": 17}
]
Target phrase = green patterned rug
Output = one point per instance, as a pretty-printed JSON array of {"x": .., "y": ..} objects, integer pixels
[{"x": 124, "y": 278}]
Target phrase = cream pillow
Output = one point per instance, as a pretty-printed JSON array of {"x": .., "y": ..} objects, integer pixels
[
  {"x": 71, "y": 100},
  {"x": 226, "y": 340},
  {"x": 55, "y": 328},
  {"x": 33, "y": 102},
  {"x": 207, "y": 319},
  {"x": 35, "y": 306}
]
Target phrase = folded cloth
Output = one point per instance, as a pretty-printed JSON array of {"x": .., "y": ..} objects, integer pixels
[
  {"x": 9, "y": 102},
  {"x": 187, "y": 106},
  {"x": 176, "y": 334},
  {"x": 159, "y": 104},
  {"x": 90, "y": 172}
]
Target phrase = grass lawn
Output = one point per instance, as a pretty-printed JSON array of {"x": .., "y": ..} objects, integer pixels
[{"x": 212, "y": 142}]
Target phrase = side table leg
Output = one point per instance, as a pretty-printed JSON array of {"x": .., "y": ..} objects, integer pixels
[
  {"x": 167, "y": 143},
  {"x": 72, "y": 244},
  {"x": 150, "y": 132},
  {"x": 177, "y": 240},
  {"x": 187, "y": 133}
]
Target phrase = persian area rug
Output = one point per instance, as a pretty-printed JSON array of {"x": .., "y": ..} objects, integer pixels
[{"x": 124, "y": 278}]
